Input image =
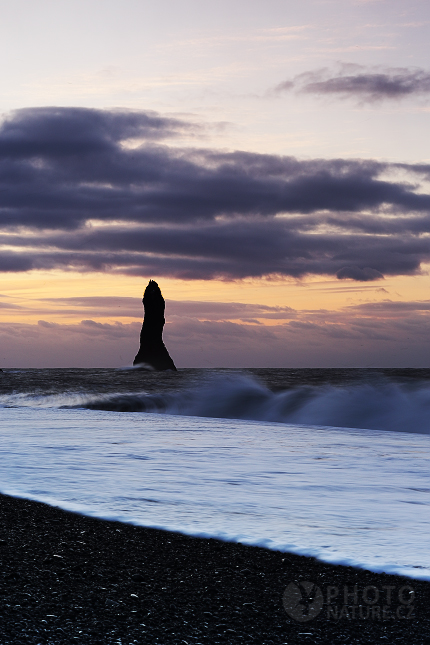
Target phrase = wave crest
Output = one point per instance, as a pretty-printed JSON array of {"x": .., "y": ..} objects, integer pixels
[{"x": 386, "y": 406}]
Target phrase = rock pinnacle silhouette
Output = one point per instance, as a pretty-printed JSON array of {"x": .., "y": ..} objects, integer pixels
[{"x": 152, "y": 352}]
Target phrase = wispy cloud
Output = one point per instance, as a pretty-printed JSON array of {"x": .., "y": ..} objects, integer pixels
[
  {"x": 391, "y": 333},
  {"x": 201, "y": 310},
  {"x": 366, "y": 84}
]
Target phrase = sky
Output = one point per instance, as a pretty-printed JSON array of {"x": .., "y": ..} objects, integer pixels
[{"x": 267, "y": 163}]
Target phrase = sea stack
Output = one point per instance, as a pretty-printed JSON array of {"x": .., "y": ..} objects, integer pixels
[{"x": 152, "y": 352}]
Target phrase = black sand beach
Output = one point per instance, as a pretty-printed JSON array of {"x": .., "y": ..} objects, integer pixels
[{"x": 73, "y": 579}]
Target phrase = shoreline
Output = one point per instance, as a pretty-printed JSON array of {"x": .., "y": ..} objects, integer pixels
[
  {"x": 306, "y": 553},
  {"x": 68, "y": 578}
]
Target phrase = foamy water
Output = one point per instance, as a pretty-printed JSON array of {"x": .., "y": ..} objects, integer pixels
[{"x": 358, "y": 497}]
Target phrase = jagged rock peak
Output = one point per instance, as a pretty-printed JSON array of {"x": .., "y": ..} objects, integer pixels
[{"x": 152, "y": 352}]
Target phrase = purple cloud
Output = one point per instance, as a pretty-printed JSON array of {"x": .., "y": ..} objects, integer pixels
[{"x": 195, "y": 214}]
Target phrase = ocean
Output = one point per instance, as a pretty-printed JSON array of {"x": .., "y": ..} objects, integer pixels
[{"x": 330, "y": 463}]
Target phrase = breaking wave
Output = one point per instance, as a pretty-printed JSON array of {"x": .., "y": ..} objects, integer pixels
[{"x": 387, "y": 406}]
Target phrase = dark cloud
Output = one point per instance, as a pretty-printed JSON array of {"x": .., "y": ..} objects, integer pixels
[
  {"x": 50, "y": 132},
  {"x": 361, "y": 275},
  {"x": 228, "y": 249},
  {"x": 76, "y": 194},
  {"x": 366, "y": 84}
]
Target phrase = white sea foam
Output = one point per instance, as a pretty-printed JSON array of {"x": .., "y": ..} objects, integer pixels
[{"x": 356, "y": 497}]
